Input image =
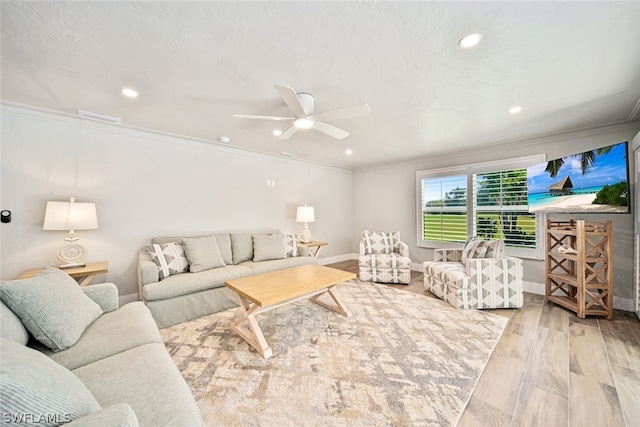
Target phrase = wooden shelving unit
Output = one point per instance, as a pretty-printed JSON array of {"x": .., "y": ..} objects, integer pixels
[{"x": 581, "y": 281}]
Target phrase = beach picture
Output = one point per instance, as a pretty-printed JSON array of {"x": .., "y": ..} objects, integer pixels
[{"x": 595, "y": 181}]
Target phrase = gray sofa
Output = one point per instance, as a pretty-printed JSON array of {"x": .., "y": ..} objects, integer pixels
[
  {"x": 117, "y": 373},
  {"x": 188, "y": 295}
]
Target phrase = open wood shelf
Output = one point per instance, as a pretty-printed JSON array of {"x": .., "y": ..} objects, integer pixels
[{"x": 583, "y": 281}]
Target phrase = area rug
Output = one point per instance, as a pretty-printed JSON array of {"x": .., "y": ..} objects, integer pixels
[{"x": 401, "y": 359}]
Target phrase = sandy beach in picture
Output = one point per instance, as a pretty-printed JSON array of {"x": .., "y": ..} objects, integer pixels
[{"x": 575, "y": 203}]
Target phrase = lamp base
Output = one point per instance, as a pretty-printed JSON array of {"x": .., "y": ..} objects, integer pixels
[
  {"x": 305, "y": 236},
  {"x": 72, "y": 254}
]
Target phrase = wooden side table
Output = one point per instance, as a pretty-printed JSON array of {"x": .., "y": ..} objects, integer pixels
[
  {"x": 82, "y": 274},
  {"x": 313, "y": 244}
]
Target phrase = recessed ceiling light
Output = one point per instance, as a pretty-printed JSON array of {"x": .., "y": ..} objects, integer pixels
[
  {"x": 515, "y": 109},
  {"x": 224, "y": 139},
  {"x": 348, "y": 151},
  {"x": 277, "y": 132},
  {"x": 303, "y": 123},
  {"x": 129, "y": 93},
  {"x": 470, "y": 40}
]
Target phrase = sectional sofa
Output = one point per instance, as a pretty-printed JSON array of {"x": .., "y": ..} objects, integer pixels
[
  {"x": 70, "y": 356},
  {"x": 181, "y": 278}
]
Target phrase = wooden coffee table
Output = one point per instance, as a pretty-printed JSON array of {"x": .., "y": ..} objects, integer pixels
[{"x": 263, "y": 292}]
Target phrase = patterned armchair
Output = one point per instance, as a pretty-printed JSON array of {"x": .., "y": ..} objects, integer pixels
[
  {"x": 471, "y": 278},
  {"x": 384, "y": 258}
]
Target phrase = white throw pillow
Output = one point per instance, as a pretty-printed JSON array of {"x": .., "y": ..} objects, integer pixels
[
  {"x": 51, "y": 306},
  {"x": 268, "y": 247},
  {"x": 33, "y": 385},
  {"x": 203, "y": 253}
]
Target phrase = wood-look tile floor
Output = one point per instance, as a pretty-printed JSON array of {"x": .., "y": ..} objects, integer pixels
[{"x": 551, "y": 368}]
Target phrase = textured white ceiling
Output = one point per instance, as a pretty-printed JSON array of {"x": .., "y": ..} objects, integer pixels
[{"x": 571, "y": 65}]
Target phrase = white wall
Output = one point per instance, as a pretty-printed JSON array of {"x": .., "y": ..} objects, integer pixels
[
  {"x": 145, "y": 185},
  {"x": 384, "y": 196}
]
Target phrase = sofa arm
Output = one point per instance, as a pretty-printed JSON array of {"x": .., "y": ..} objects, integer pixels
[
  {"x": 147, "y": 270},
  {"x": 118, "y": 415},
  {"x": 104, "y": 294},
  {"x": 403, "y": 249},
  {"x": 447, "y": 255},
  {"x": 361, "y": 248}
]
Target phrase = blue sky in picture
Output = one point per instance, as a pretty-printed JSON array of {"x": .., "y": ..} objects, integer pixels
[{"x": 609, "y": 168}]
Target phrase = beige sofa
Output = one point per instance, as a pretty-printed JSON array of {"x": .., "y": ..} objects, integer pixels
[
  {"x": 185, "y": 296},
  {"x": 117, "y": 373}
]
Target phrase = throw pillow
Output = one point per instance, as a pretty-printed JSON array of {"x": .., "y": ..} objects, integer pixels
[
  {"x": 170, "y": 258},
  {"x": 11, "y": 328},
  {"x": 203, "y": 253},
  {"x": 473, "y": 249},
  {"x": 51, "y": 306},
  {"x": 377, "y": 242},
  {"x": 35, "y": 390},
  {"x": 268, "y": 247},
  {"x": 495, "y": 248},
  {"x": 291, "y": 245}
]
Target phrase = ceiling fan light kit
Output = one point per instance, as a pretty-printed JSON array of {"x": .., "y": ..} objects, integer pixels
[{"x": 302, "y": 107}]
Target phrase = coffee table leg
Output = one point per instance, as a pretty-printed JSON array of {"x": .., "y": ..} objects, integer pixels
[
  {"x": 252, "y": 334},
  {"x": 336, "y": 306}
]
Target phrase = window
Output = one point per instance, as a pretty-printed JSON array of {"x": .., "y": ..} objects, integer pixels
[{"x": 487, "y": 200}]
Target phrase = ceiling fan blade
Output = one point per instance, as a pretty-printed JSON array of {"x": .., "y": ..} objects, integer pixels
[
  {"x": 287, "y": 134},
  {"x": 343, "y": 113},
  {"x": 249, "y": 116},
  {"x": 330, "y": 130},
  {"x": 290, "y": 98}
]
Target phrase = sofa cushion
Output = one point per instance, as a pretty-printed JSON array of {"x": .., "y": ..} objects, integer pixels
[
  {"x": 11, "y": 328},
  {"x": 268, "y": 247},
  {"x": 51, "y": 306},
  {"x": 182, "y": 284},
  {"x": 277, "y": 264},
  {"x": 203, "y": 253},
  {"x": 133, "y": 375},
  {"x": 392, "y": 260},
  {"x": 169, "y": 257},
  {"x": 34, "y": 386},
  {"x": 118, "y": 415},
  {"x": 111, "y": 334}
]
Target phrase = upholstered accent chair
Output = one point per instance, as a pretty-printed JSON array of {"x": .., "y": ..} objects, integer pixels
[
  {"x": 384, "y": 258},
  {"x": 476, "y": 277}
]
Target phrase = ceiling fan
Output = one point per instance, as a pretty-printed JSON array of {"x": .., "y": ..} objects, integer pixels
[{"x": 301, "y": 105}]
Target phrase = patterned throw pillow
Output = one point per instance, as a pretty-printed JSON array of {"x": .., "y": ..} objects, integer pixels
[
  {"x": 495, "y": 248},
  {"x": 170, "y": 258},
  {"x": 473, "y": 249},
  {"x": 291, "y": 245},
  {"x": 378, "y": 242}
]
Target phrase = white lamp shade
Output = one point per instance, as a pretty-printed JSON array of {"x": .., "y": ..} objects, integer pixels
[
  {"x": 305, "y": 214},
  {"x": 70, "y": 216}
]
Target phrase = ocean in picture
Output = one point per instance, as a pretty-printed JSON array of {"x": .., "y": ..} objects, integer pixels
[{"x": 591, "y": 182}]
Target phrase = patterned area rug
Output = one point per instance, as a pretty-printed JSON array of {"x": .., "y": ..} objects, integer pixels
[{"x": 401, "y": 359}]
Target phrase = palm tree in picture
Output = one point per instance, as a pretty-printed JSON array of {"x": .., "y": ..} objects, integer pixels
[{"x": 587, "y": 160}]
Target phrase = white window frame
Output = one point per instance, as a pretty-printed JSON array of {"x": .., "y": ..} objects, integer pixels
[{"x": 469, "y": 171}]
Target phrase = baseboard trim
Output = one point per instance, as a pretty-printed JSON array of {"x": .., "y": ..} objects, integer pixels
[
  {"x": 337, "y": 258},
  {"x": 620, "y": 303}
]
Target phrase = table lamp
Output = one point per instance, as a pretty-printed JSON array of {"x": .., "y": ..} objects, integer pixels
[
  {"x": 305, "y": 214},
  {"x": 71, "y": 216}
]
